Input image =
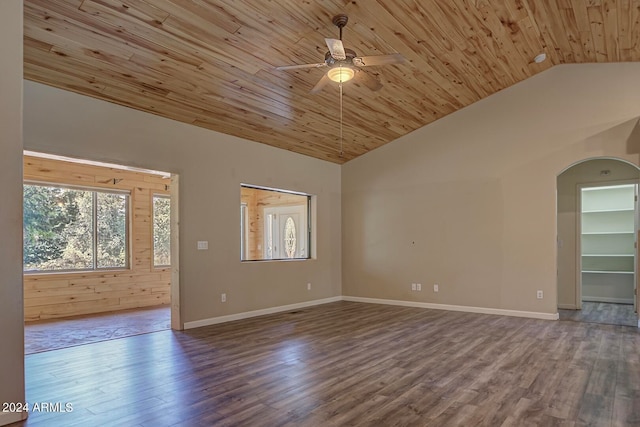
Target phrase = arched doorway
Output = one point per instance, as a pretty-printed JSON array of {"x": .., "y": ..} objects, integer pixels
[{"x": 597, "y": 217}]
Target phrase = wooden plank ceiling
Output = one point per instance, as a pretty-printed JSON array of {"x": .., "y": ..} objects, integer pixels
[{"x": 211, "y": 63}]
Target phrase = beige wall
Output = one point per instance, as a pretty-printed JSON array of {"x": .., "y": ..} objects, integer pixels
[
  {"x": 469, "y": 202},
  {"x": 582, "y": 173},
  {"x": 211, "y": 167},
  {"x": 11, "y": 305}
]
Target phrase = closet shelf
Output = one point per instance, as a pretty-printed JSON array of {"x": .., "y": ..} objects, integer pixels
[
  {"x": 607, "y": 232},
  {"x": 608, "y": 255},
  {"x": 607, "y": 210},
  {"x": 606, "y": 272},
  {"x": 607, "y": 242}
]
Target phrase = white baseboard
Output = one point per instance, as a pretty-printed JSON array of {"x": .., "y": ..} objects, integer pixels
[
  {"x": 468, "y": 309},
  {"x": 610, "y": 300},
  {"x": 11, "y": 417},
  {"x": 567, "y": 306},
  {"x": 279, "y": 309},
  {"x": 262, "y": 312}
]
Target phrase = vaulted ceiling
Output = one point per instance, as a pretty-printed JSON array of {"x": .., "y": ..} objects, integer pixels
[{"x": 211, "y": 63}]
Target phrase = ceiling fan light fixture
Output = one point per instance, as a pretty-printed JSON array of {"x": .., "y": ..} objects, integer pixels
[{"x": 341, "y": 74}]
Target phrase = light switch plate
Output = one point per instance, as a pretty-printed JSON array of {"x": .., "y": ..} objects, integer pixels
[{"x": 203, "y": 245}]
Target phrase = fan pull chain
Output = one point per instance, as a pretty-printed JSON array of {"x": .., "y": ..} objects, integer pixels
[{"x": 341, "y": 152}]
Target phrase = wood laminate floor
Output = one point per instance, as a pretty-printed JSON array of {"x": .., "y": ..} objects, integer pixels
[
  {"x": 602, "y": 312},
  {"x": 348, "y": 363},
  {"x": 46, "y": 335}
]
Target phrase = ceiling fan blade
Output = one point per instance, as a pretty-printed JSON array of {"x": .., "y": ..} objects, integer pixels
[
  {"x": 368, "y": 61},
  {"x": 301, "y": 66},
  {"x": 368, "y": 80},
  {"x": 321, "y": 84},
  {"x": 336, "y": 48}
]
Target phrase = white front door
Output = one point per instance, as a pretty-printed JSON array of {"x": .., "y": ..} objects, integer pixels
[{"x": 285, "y": 232}]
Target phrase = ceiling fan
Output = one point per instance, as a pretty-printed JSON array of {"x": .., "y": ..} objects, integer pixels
[{"x": 345, "y": 64}]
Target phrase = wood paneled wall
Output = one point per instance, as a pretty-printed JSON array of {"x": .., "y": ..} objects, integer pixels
[
  {"x": 257, "y": 200},
  {"x": 51, "y": 295}
]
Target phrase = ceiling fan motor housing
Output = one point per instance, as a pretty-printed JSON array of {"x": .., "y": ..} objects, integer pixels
[{"x": 332, "y": 62}]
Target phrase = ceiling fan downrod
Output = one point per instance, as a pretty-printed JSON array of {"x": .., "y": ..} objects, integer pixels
[
  {"x": 340, "y": 21},
  {"x": 341, "y": 120}
]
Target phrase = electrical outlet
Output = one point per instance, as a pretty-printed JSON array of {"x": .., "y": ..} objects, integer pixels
[
  {"x": 223, "y": 297},
  {"x": 413, "y": 286},
  {"x": 436, "y": 288},
  {"x": 539, "y": 295},
  {"x": 309, "y": 286},
  {"x": 419, "y": 286}
]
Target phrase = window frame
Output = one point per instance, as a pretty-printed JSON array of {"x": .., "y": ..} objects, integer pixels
[
  {"x": 244, "y": 231},
  {"x": 309, "y": 225},
  {"x": 94, "y": 214},
  {"x": 153, "y": 230}
]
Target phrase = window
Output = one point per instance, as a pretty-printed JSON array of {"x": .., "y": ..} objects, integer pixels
[
  {"x": 161, "y": 231},
  {"x": 274, "y": 224},
  {"x": 74, "y": 229}
]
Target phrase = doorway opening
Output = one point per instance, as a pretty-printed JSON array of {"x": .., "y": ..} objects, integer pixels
[
  {"x": 597, "y": 242},
  {"x": 99, "y": 251}
]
